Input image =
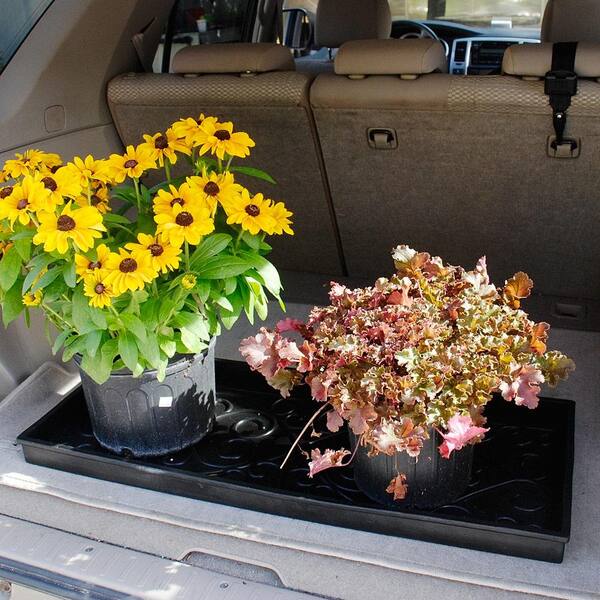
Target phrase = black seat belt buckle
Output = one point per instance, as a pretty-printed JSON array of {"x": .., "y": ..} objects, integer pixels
[{"x": 560, "y": 83}]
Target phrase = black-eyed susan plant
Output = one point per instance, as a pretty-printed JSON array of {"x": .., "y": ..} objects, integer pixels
[{"x": 131, "y": 275}]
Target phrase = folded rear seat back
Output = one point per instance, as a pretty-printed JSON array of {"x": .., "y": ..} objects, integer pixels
[
  {"x": 469, "y": 173},
  {"x": 256, "y": 87}
]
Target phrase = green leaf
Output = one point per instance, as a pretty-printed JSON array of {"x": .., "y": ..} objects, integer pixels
[
  {"x": 191, "y": 341},
  {"x": 221, "y": 267},
  {"x": 36, "y": 266},
  {"x": 10, "y": 268},
  {"x": 128, "y": 349},
  {"x": 230, "y": 285},
  {"x": 252, "y": 172},
  {"x": 69, "y": 275},
  {"x": 167, "y": 307},
  {"x": 115, "y": 218},
  {"x": 134, "y": 325},
  {"x": 12, "y": 305},
  {"x": 253, "y": 241},
  {"x": 167, "y": 345},
  {"x": 194, "y": 322},
  {"x": 100, "y": 367},
  {"x": 27, "y": 234},
  {"x": 151, "y": 350},
  {"x": 46, "y": 279},
  {"x": 77, "y": 346},
  {"x": 203, "y": 290},
  {"x": 82, "y": 313},
  {"x": 224, "y": 303},
  {"x": 266, "y": 270},
  {"x": 61, "y": 338},
  {"x": 92, "y": 342},
  {"x": 23, "y": 247},
  {"x": 98, "y": 317},
  {"x": 210, "y": 246}
]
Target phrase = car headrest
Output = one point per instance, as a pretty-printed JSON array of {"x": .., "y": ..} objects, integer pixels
[
  {"x": 233, "y": 58},
  {"x": 571, "y": 21},
  {"x": 339, "y": 21},
  {"x": 535, "y": 60},
  {"x": 406, "y": 58}
]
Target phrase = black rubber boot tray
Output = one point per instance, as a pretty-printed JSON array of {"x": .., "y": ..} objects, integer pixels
[{"x": 518, "y": 502}]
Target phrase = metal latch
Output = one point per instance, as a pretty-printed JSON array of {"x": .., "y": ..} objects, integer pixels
[
  {"x": 382, "y": 138},
  {"x": 569, "y": 148}
]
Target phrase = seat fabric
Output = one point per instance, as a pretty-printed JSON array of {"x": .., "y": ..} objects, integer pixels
[{"x": 470, "y": 176}]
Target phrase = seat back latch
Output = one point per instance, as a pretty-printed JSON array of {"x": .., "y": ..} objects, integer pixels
[{"x": 560, "y": 85}]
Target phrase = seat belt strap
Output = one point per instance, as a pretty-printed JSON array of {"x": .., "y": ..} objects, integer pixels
[{"x": 561, "y": 85}]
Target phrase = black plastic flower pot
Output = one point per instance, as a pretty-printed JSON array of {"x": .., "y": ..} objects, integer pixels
[
  {"x": 432, "y": 480},
  {"x": 140, "y": 416}
]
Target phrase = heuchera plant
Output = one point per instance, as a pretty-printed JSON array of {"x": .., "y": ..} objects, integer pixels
[
  {"x": 421, "y": 351},
  {"x": 134, "y": 282}
]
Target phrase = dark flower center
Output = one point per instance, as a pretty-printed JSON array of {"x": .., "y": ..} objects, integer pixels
[
  {"x": 253, "y": 210},
  {"x": 99, "y": 289},
  {"x": 7, "y": 191},
  {"x": 22, "y": 204},
  {"x": 211, "y": 188},
  {"x": 50, "y": 184},
  {"x": 94, "y": 265},
  {"x": 184, "y": 219},
  {"x": 54, "y": 169},
  {"x": 177, "y": 201},
  {"x": 128, "y": 265},
  {"x": 65, "y": 223},
  {"x": 156, "y": 249},
  {"x": 130, "y": 164},
  {"x": 161, "y": 142},
  {"x": 95, "y": 200},
  {"x": 222, "y": 134}
]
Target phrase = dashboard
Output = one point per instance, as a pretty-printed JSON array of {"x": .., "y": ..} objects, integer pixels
[{"x": 481, "y": 55}]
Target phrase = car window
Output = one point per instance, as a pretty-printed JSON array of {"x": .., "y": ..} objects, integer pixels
[
  {"x": 16, "y": 21},
  {"x": 204, "y": 22},
  {"x": 494, "y": 14}
]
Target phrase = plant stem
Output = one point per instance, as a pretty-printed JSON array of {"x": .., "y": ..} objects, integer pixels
[
  {"x": 136, "y": 186},
  {"x": 237, "y": 240},
  {"x": 219, "y": 166},
  {"x": 228, "y": 163},
  {"x": 310, "y": 422},
  {"x": 187, "y": 256},
  {"x": 64, "y": 322},
  {"x": 168, "y": 169}
]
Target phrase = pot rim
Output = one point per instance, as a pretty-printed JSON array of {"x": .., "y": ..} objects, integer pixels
[{"x": 173, "y": 367}]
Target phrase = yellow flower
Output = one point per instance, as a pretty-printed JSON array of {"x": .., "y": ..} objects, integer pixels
[
  {"x": 252, "y": 213},
  {"x": 60, "y": 185},
  {"x": 99, "y": 198},
  {"x": 79, "y": 225},
  {"x": 132, "y": 164},
  {"x": 188, "y": 281},
  {"x": 29, "y": 161},
  {"x": 219, "y": 139},
  {"x": 184, "y": 224},
  {"x": 88, "y": 170},
  {"x": 163, "y": 257},
  {"x": 184, "y": 196},
  {"x": 215, "y": 188},
  {"x": 165, "y": 145},
  {"x": 281, "y": 217},
  {"x": 25, "y": 198},
  {"x": 97, "y": 289},
  {"x": 3, "y": 176},
  {"x": 187, "y": 129},
  {"x": 34, "y": 299},
  {"x": 126, "y": 272},
  {"x": 87, "y": 266}
]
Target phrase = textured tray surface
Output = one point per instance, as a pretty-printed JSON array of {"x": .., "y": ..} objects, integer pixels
[{"x": 518, "y": 501}]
